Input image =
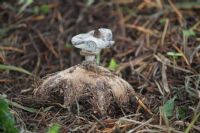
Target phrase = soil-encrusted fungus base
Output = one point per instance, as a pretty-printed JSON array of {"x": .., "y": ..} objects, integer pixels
[{"x": 87, "y": 81}]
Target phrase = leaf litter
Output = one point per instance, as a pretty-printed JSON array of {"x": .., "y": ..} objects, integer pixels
[{"x": 37, "y": 43}]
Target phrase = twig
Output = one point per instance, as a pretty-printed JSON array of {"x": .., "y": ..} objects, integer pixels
[
  {"x": 98, "y": 121},
  {"x": 164, "y": 32},
  {"x": 143, "y": 105},
  {"x": 155, "y": 126},
  {"x": 164, "y": 78},
  {"x": 180, "y": 16},
  {"x": 141, "y": 125},
  {"x": 140, "y": 28},
  {"x": 167, "y": 62}
]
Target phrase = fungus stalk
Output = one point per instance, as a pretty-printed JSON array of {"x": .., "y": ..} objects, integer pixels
[{"x": 90, "y": 57}]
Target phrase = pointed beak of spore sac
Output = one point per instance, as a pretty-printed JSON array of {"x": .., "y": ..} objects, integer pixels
[
  {"x": 74, "y": 40},
  {"x": 77, "y": 40}
]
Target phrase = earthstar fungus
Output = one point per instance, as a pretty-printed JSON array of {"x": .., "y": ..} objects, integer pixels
[{"x": 88, "y": 82}]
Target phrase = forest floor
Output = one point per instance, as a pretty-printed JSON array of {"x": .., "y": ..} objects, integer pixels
[{"x": 156, "y": 50}]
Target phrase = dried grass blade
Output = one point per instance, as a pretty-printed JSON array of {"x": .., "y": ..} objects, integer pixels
[
  {"x": 143, "y": 105},
  {"x": 164, "y": 32},
  {"x": 48, "y": 44},
  {"x": 140, "y": 28},
  {"x": 180, "y": 16},
  {"x": 164, "y": 78},
  {"x": 180, "y": 51},
  {"x": 11, "y": 49},
  {"x": 167, "y": 62}
]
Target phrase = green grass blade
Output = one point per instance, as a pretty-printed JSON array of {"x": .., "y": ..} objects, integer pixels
[
  {"x": 14, "y": 68},
  {"x": 17, "y": 105},
  {"x": 195, "y": 118},
  {"x": 113, "y": 65}
]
